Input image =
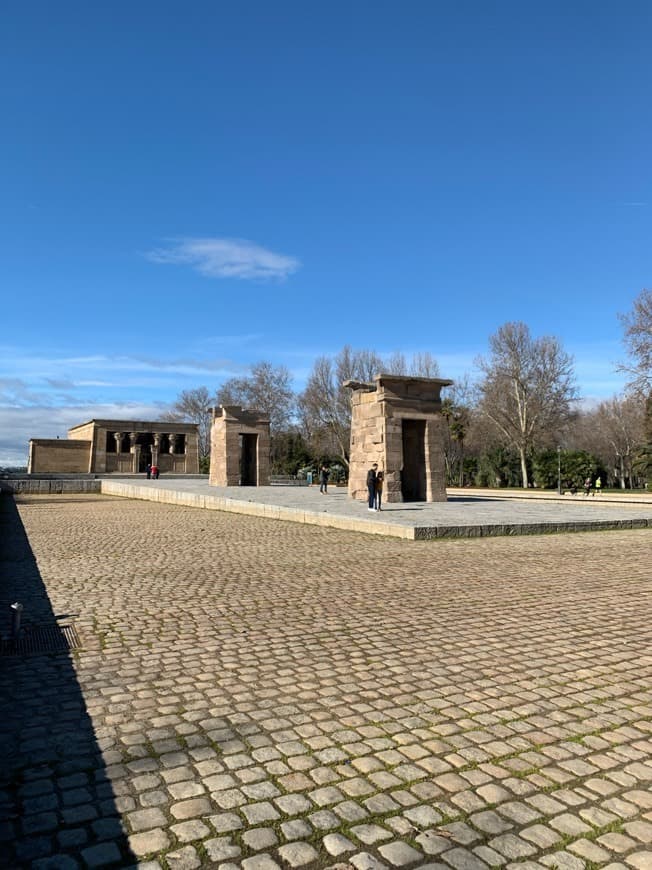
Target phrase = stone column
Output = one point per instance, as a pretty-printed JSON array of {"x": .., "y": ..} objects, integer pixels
[
  {"x": 173, "y": 442},
  {"x": 118, "y": 441},
  {"x": 135, "y": 451},
  {"x": 155, "y": 448}
]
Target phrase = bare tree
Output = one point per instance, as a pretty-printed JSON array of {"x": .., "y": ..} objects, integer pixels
[
  {"x": 424, "y": 365},
  {"x": 615, "y": 433},
  {"x": 396, "y": 364},
  {"x": 268, "y": 388},
  {"x": 420, "y": 365},
  {"x": 638, "y": 343},
  {"x": 326, "y": 404},
  {"x": 195, "y": 406},
  {"x": 528, "y": 387}
]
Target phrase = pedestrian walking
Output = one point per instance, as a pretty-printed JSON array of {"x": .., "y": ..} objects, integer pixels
[
  {"x": 598, "y": 485},
  {"x": 379, "y": 490},
  {"x": 587, "y": 486},
  {"x": 148, "y": 470},
  {"x": 371, "y": 486},
  {"x": 323, "y": 479},
  {"x": 155, "y": 472}
]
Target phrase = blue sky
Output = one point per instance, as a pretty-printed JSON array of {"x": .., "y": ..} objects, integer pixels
[{"x": 186, "y": 189}]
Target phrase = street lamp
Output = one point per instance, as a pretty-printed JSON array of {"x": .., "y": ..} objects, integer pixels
[{"x": 558, "y": 470}]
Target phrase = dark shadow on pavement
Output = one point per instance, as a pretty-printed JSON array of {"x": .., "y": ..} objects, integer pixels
[{"x": 57, "y": 804}]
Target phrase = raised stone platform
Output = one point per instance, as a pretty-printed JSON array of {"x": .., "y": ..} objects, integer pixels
[{"x": 462, "y": 516}]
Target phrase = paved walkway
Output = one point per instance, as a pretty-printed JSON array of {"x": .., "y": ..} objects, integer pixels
[
  {"x": 255, "y": 695},
  {"x": 463, "y": 515}
]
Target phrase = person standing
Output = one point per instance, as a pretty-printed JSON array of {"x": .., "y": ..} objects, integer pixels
[
  {"x": 587, "y": 486},
  {"x": 379, "y": 490},
  {"x": 148, "y": 470},
  {"x": 155, "y": 472},
  {"x": 598, "y": 485},
  {"x": 323, "y": 479},
  {"x": 371, "y": 486}
]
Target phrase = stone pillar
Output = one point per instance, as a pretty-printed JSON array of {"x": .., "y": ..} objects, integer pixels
[
  {"x": 118, "y": 441},
  {"x": 134, "y": 449},
  {"x": 173, "y": 442},
  {"x": 155, "y": 448}
]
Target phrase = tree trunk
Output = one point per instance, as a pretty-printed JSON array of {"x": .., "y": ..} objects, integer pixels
[{"x": 521, "y": 451}]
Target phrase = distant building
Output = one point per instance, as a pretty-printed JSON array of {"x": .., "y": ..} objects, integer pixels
[{"x": 120, "y": 447}]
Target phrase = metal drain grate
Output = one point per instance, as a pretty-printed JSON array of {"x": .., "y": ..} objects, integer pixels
[{"x": 39, "y": 639}]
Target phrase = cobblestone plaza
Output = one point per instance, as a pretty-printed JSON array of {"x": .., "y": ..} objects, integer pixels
[{"x": 253, "y": 694}]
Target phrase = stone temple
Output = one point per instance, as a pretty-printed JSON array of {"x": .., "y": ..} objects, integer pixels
[
  {"x": 397, "y": 422},
  {"x": 118, "y": 446}
]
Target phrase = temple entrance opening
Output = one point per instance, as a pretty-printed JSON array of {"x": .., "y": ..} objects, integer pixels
[
  {"x": 248, "y": 464},
  {"x": 413, "y": 475}
]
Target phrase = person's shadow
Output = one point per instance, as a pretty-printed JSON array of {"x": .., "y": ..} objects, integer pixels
[{"x": 56, "y": 797}]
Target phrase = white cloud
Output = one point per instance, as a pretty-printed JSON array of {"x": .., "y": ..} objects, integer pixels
[{"x": 227, "y": 258}]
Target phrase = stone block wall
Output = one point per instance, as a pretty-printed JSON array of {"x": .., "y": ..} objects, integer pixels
[{"x": 55, "y": 455}]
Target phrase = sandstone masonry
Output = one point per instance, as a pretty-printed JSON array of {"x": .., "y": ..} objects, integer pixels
[{"x": 397, "y": 423}]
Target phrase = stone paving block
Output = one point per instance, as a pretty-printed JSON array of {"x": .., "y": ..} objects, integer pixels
[
  {"x": 589, "y": 851},
  {"x": 541, "y": 836},
  {"x": 337, "y": 844},
  {"x": 221, "y": 849},
  {"x": 142, "y": 820},
  {"x": 296, "y": 829},
  {"x": 258, "y": 839},
  {"x": 365, "y": 861},
  {"x": 187, "y": 789},
  {"x": 149, "y": 842},
  {"x": 639, "y": 830},
  {"x": 562, "y": 861},
  {"x": 324, "y": 820},
  {"x": 56, "y": 862},
  {"x": 260, "y": 862},
  {"x": 260, "y": 812},
  {"x": 490, "y": 822},
  {"x": 100, "y": 855},
  {"x": 462, "y": 859},
  {"x": 512, "y": 847},
  {"x": 399, "y": 854},
  {"x": 188, "y": 832},
  {"x": 298, "y": 854},
  {"x": 183, "y": 859},
  {"x": 225, "y": 822},
  {"x": 616, "y": 842},
  {"x": 491, "y": 858}
]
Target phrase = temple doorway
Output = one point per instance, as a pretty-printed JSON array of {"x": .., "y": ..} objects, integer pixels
[
  {"x": 248, "y": 464},
  {"x": 145, "y": 441},
  {"x": 413, "y": 476}
]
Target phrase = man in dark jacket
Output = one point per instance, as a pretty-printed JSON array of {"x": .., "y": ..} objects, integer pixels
[{"x": 371, "y": 485}]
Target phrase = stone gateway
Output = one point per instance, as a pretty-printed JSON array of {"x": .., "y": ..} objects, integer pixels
[
  {"x": 397, "y": 423},
  {"x": 240, "y": 445}
]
